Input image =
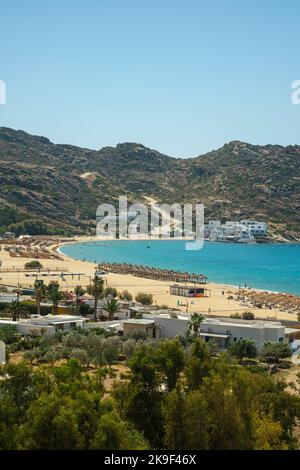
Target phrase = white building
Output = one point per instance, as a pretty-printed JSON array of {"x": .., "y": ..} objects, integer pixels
[
  {"x": 25, "y": 237},
  {"x": 8, "y": 297},
  {"x": 230, "y": 330},
  {"x": 214, "y": 224},
  {"x": 49, "y": 324},
  {"x": 225, "y": 330},
  {"x": 244, "y": 231},
  {"x": 258, "y": 229},
  {"x": 133, "y": 325},
  {"x": 9, "y": 235}
]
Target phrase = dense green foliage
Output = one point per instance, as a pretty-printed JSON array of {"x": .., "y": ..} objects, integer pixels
[
  {"x": 33, "y": 264},
  {"x": 204, "y": 403},
  {"x": 125, "y": 295},
  {"x": 243, "y": 348},
  {"x": 144, "y": 298},
  {"x": 111, "y": 291},
  {"x": 176, "y": 395},
  {"x": 112, "y": 307},
  {"x": 54, "y": 295},
  {"x": 8, "y": 334},
  {"x": 96, "y": 290},
  {"x": 60, "y": 408},
  {"x": 272, "y": 352}
]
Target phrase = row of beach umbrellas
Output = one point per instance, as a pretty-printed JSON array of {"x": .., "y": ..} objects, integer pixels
[
  {"x": 267, "y": 299},
  {"x": 152, "y": 273}
]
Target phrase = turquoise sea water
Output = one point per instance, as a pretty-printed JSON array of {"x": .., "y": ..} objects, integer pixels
[{"x": 272, "y": 267}]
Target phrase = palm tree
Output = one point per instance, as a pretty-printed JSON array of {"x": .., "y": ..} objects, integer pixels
[
  {"x": 39, "y": 294},
  {"x": 195, "y": 322},
  {"x": 17, "y": 311},
  {"x": 55, "y": 295},
  {"x": 112, "y": 306},
  {"x": 78, "y": 291},
  {"x": 96, "y": 290}
]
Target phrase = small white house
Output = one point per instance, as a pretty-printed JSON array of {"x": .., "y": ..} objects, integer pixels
[
  {"x": 214, "y": 224},
  {"x": 24, "y": 237},
  {"x": 258, "y": 229},
  {"x": 48, "y": 325},
  {"x": 224, "y": 330},
  {"x": 8, "y": 297},
  {"x": 9, "y": 235}
]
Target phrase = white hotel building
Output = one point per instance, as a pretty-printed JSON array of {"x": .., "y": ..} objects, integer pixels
[
  {"x": 256, "y": 228},
  {"x": 242, "y": 230}
]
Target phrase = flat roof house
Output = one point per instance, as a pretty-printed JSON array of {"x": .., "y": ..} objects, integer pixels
[
  {"x": 133, "y": 325},
  {"x": 225, "y": 330},
  {"x": 256, "y": 228},
  {"x": 230, "y": 330},
  {"x": 48, "y": 324}
]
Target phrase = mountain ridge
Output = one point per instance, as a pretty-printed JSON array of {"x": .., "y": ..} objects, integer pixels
[{"x": 42, "y": 181}]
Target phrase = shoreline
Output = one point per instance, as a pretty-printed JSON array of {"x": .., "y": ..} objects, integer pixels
[
  {"x": 232, "y": 306},
  {"x": 81, "y": 272},
  {"x": 221, "y": 284}
]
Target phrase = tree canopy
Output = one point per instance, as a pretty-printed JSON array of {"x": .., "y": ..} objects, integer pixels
[{"x": 174, "y": 395}]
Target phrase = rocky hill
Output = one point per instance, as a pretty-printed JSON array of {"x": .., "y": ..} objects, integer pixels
[{"x": 49, "y": 188}]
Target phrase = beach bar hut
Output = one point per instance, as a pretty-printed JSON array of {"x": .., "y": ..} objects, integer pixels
[{"x": 189, "y": 291}]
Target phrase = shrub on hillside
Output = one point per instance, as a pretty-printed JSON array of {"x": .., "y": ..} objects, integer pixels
[
  {"x": 272, "y": 352},
  {"x": 112, "y": 291},
  {"x": 144, "y": 298},
  {"x": 31, "y": 307},
  {"x": 33, "y": 264},
  {"x": 125, "y": 295},
  {"x": 248, "y": 316}
]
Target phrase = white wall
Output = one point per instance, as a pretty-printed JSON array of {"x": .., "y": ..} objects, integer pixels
[
  {"x": 35, "y": 330},
  {"x": 255, "y": 332},
  {"x": 170, "y": 327}
]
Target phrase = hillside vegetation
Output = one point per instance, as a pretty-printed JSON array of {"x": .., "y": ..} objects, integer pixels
[{"x": 56, "y": 188}]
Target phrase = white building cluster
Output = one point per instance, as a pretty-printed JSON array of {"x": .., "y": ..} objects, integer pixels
[
  {"x": 244, "y": 231},
  {"x": 224, "y": 331},
  {"x": 161, "y": 324}
]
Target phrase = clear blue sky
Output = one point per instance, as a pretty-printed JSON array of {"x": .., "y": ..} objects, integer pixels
[{"x": 180, "y": 76}]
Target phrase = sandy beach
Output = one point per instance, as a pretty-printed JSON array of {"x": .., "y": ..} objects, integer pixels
[{"x": 81, "y": 272}]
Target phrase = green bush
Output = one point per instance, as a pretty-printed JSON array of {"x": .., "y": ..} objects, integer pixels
[
  {"x": 125, "y": 295},
  {"x": 8, "y": 334},
  {"x": 33, "y": 264},
  {"x": 4, "y": 306},
  {"x": 32, "y": 307},
  {"x": 248, "y": 316},
  {"x": 85, "y": 309},
  {"x": 258, "y": 369},
  {"x": 111, "y": 291},
  {"x": 272, "y": 352},
  {"x": 144, "y": 298},
  {"x": 139, "y": 335}
]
